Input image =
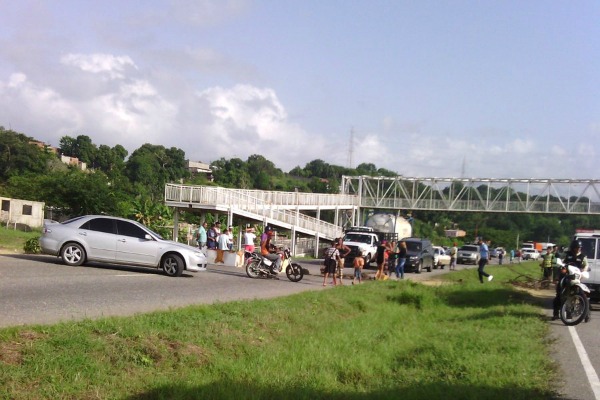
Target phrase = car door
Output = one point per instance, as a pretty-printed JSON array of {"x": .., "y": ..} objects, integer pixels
[
  {"x": 98, "y": 236},
  {"x": 133, "y": 246}
]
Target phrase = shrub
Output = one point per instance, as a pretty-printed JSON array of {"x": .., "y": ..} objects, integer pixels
[{"x": 32, "y": 246}]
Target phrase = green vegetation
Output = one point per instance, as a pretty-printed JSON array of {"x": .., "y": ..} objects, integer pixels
[
  {"x": 14, "y": 241},
  {"x": 385, "y": 340}
]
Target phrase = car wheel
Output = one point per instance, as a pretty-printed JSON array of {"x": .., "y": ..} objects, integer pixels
[
  {"x": 172, "y": 265},
  {"x": 73, "y": 254},
  {"x": 419, "y": 269}
]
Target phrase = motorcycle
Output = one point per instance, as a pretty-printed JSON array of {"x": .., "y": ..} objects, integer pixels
[
  {"x": 258, "y": 266},
  {"x": 574, "y": 296}
]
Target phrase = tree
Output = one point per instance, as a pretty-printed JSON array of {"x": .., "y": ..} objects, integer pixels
[
  {"x": 111, "y": 160},
  {"x": 19, "y": 156},
  {"x": 80, "y": 147},
  {"x": 366, "y": 169},
  {"x": 153, "y": 166},
  {"x": 232, "y": 173}
]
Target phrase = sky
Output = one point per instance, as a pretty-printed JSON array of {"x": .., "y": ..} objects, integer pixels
[{"x": 472, "y": 89}]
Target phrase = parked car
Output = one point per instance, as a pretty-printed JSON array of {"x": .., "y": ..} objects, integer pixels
[
  {"x": 441, "y": 257},
  {"x": 493, "y": 253},
  {"x": 116, "y": 240},
  {"x": 419, "y": 255},
  {"x": 530, "y": 254},
  {"x": 468, "y": 254}
]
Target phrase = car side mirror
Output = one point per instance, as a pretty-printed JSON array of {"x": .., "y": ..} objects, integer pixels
[{"x": 147, "y": 237}]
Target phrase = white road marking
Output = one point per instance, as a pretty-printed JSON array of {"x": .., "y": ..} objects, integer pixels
[{"x": 587, "y": 365}]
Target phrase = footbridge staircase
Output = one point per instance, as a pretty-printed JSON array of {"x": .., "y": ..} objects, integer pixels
[{"x": 287, "y": 210}]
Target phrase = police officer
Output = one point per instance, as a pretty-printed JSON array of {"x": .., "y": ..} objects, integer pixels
[{"x": 574, "y": 257}]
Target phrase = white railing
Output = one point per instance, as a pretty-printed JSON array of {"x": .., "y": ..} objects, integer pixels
[{"x": 249, "y": 201}]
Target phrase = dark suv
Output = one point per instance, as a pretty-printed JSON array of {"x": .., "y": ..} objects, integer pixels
[{"x": 419, "y": 255}]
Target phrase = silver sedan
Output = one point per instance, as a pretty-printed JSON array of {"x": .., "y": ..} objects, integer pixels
[{"x": 108, "y": 239}]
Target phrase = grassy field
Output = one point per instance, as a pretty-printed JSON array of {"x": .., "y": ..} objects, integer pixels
[
  {"x": 12, "y": 241},
  {"x": 457, "y": 339}
]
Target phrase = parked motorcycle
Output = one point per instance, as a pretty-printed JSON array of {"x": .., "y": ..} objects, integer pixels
[
  {"x": 574, "y": 296},
  {"x": 258, "y": 266}
]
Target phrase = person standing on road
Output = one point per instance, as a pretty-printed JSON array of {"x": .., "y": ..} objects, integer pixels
[
  {"x": 222, "y": 246},
  {"x": 548, "y": 260},
  {"x": 344, "y": 251},
  {"x": 500, "y": 256},
  {"x": 331, "y": 256},
  {"x": 392, "y": 258},
  {"x": 201, "y": 235},
  {"x": 212, "y": 236},
  {"x": 401, "y": 260},
  {"x": 358, "y": 265},
  {"x": 381, "y": 259},
  {"x": 249, "y": 238},
  {"x": 453, "y": 257},
  {"x": 484, "y": 257},
  {"x": 555, "y": 268}
]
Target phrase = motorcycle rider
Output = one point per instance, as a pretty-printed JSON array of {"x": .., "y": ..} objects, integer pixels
[
  {"x": 574, "y": 257},
  {"x": 269, "y": 251}
]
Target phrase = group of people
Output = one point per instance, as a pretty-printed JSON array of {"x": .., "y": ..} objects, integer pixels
[
  {"x": 391, "y": 257},
  {"x": 215, "y": 239},
  {"x": 335, "y": 258}
]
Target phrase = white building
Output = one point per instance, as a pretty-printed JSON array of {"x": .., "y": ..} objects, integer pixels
[{"x": 26, "y": 212}]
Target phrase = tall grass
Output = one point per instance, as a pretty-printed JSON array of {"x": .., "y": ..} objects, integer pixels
[{"x": 458, "y": 340}]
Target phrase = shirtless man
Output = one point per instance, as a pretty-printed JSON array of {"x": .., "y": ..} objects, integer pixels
[{"x": 358, "y": 265}]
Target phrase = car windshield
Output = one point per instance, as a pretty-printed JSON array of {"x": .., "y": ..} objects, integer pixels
[
  {"x": 469, "y": 248},
  {"x": 357, "y": 237}
]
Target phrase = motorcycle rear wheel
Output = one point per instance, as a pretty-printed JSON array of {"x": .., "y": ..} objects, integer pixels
[
  {"x": 574, "y": 309},
  {"x": 252, "y": 269},
  {"x": 294, "y": 272}
]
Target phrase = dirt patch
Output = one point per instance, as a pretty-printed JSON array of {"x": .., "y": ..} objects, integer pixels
[
  {"x": 11, "y": 352},
  {"x": 4, "y": 250}
]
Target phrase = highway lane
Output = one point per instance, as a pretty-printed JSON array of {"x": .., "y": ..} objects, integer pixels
[{"x": 39, "y": 289}]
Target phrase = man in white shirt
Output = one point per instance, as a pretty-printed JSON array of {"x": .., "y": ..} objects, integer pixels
[{"x": 222, "y": 246}]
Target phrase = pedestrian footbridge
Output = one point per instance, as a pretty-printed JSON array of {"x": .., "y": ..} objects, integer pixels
[{"x": 301, "y": 212}]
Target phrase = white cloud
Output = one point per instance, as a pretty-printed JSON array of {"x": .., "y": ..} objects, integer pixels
[
  {"x": 40, "y": 109},
  {"x": 112, "y": 66}
]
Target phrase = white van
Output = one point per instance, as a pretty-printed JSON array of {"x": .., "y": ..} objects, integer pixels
[{"x": 590, "y": 247}]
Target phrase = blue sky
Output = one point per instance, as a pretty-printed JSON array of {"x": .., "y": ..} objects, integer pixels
[{"x": 484, "y": 89}]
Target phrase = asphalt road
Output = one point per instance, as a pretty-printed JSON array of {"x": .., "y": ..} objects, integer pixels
[
  {"x": 38, "y": 289},
  {"x": 41, "y": 290}
]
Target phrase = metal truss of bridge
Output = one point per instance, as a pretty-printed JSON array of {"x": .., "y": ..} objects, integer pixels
[
  {"x": 294, "y": 210},
  {"x": 560, "y": 196}
]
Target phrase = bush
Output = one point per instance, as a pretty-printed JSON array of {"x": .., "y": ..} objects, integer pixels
[{"x": 32, "y": 246}]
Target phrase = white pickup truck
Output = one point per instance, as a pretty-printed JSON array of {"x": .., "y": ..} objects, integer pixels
[{"x": 363, "y": 242}]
